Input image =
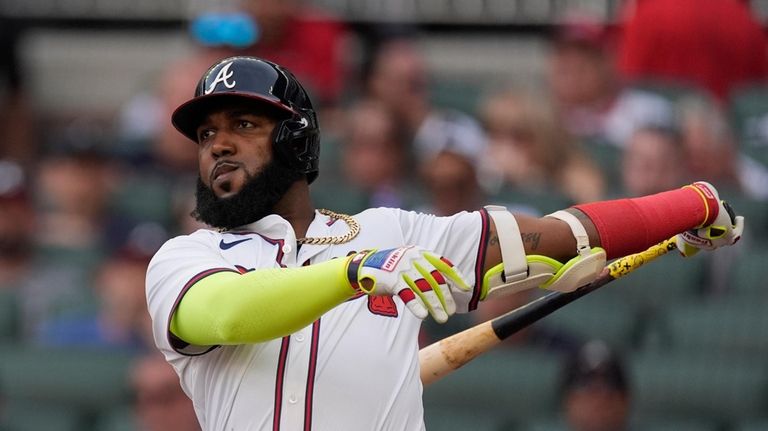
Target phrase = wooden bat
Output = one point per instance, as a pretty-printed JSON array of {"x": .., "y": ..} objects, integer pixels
[{"x": 440, "y": 358}]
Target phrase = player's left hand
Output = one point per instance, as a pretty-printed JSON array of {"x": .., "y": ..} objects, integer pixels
[
  {"x": 725, "y": 230},
  {"x": 420, "y": 278}
]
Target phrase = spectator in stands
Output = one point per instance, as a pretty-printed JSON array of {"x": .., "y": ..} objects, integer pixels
[
  {"x": 309, "y": 42},
  {"x": 529, "y": 150},
  {"x": 398, "y": 77},
  {"x": 595, "y": 391},
  {"x": 707, "y": 136},
  {"x": 715, "y": 45},
  {"x": 653, "y": 161},
  {"x": 154, "y": 156},
  {"x": 451, "y": 182},
  {"x": 581, "y": 75},
  {"x": 17, "y": 117},
  {"x": 374, "y": 155},
  {"x": 17, "y": 224},
  {"x": 170, "y": 148},
  {"x": 74, "y": 182},
  {"x": 448, "y": 169},
  {"x": 160, "y": 402},
  {"x": 121, "y": 320},
  {"x": 590, "y": 100}
]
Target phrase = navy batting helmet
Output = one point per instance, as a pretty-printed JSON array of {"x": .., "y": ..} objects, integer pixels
[{"x": 296, "y": 138}]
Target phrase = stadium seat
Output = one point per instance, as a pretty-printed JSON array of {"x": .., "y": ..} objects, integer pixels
[
  {"x": 330, "y": 193},
  {"x": 512, "y": 385},
  {"x": 755, "y": 213},
  {"x": 690, "y": 424},
  {"x": 543, "y": 425},
  {"x": 749, "y": 274},
  {"x": 84, "y": 379},
  {"x": 733, "y": 325},
  {"x": 748, "y": 113},
  {"x": 607, "y": 157},
  {"x": 9, "y": 319},
  {"x": 683, "y": 385},
  {"x": 29, "y": 416},
  {"x": 120, "y": 418},
  {"x": 540, "y": 201},
  {"x": 147, "y": 198},
  {"x": 602, "y": 316},
  {"x": 448, "y": 419},
  {"x": 456, "y": 94},
  {"x": 752, "y": 425},
  {"x": 666, "y": 280},
  {"x": 644, "y": 425}
]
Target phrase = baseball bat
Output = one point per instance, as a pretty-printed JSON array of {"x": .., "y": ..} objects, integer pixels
[{"x": 442, "y": 357}]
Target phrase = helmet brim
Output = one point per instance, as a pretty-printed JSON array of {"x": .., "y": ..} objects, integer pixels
[{"x": 187, "y": 117}]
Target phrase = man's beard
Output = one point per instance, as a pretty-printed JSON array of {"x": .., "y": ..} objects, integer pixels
[{"x": 257, "y": 198}]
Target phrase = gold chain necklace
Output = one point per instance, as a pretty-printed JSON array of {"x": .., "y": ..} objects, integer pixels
[{"x": 354, "y": 229}]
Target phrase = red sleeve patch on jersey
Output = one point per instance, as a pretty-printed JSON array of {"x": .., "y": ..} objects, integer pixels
[{"x": 382, "y": 305}]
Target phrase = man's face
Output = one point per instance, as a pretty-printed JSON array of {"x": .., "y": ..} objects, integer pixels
[
  {"x": 234, "y": 144},
  {"x": 240, "y": 180}
]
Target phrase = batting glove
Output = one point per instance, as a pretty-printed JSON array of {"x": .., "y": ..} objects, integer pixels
[
  {"x": 421, "y": 279},
  {"x": 725, "y": 230}
]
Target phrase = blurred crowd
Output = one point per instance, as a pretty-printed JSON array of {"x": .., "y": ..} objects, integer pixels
[{"x": 664, "y": 96}]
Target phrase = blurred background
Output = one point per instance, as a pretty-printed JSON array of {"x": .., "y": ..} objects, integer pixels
[{"x": 430, "y": 105}]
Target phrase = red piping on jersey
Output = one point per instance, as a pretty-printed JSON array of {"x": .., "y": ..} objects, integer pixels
[
  {"x": 311, "y": 375},
  {"x": 280, "y": 376},
  {"x": 278, "y": 242},
  {"x": 175, "y": 342},
  {"x": 480, "y": 261}
]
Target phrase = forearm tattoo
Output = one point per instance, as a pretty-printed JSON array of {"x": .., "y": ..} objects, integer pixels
[{"x": 531, "y": 238}]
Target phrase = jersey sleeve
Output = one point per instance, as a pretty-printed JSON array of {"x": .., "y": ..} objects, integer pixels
[
  {"x": 461, "y": 238},
  {"x": 177, "y": 266}
]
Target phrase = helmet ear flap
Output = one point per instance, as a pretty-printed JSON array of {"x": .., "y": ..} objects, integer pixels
[{"x": 297, "y": 142}]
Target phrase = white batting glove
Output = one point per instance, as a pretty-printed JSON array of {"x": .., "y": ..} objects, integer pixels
[
  {"x": 725, "y": 230},
  {"x": 420, "y": 278}
]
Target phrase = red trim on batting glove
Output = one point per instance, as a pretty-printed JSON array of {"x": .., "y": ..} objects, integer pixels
[
  {"x": 628, "y": 226},
  {"x": 353, "y": 268}
]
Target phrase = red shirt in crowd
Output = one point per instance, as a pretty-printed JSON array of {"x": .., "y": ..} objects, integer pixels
[{"x": 715, "y": 44}]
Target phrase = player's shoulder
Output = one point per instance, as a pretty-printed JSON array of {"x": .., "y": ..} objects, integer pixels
[
  {"x": 383, "y": 213},
  {"x": 399, "y": 216},
  {"x": 201, "y": 238}
]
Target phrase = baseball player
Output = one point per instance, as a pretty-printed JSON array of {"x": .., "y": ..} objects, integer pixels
[{"x": 290, "y": 318}]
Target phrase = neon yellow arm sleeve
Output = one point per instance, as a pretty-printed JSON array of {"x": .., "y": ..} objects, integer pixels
[{"x": 228, "y": 308}]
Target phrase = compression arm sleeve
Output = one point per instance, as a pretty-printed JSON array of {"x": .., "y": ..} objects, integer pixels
[
  {"x": 628, "y": 226},
  {"x": 227, "y": 308}
]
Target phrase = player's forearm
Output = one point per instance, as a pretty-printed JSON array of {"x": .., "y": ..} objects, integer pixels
[
  {"x": 232, "y": 308},
  {"x": 543, "y": 236},
  {"x": 621, "y": 227}
]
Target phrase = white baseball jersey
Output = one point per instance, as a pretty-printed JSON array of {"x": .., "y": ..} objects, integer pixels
[{"x": 355, "y": 368}]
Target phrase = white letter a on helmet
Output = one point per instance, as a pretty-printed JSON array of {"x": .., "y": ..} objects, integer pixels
[{"x": 223, "y": 76}]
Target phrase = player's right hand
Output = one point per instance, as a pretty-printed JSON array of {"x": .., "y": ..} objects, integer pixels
[
  {"x": 420, "y": 278},
  {"x": 725, "y": 230}
]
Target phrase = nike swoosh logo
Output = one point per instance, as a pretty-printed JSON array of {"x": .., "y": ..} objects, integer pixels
[{"x": 227, "y": 245}]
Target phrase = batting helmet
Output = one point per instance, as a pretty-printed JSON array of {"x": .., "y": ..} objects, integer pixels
[{"x": 296, "y": 139}]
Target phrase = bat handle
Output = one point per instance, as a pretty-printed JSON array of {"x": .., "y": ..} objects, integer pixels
[
  {"x": 507, "y": 324},
  {"x": 623, "y": 266},
  {"x": 442, "y": 357}
]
